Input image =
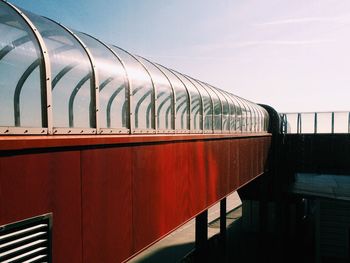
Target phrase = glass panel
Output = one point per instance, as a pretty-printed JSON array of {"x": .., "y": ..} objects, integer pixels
[
  {"x": 207, "y": 105},
  {"x": 232, "y": 106},
  {"x": 249, "y": 115},
  {"x": 217, "y": 107},
  {"x": 307, "y": 122},
  {"x": 260, "y": 119},
  {"x": 182, "y": 101},
  {"x": 72, "y": 85},
  {"x": 324, "y": 122},
  {"x": 141, "y": 91},
  {"x": 113, "y": 108},
  {"x": 254, "y": 117},
  {"x": 266, "y": 120},
  {"x": 196, "y": 103},
  {"x": 164, "y": 96},
  {"x": 341, "y": 122},
  {"x": 244, "y": 122},
  {"x": 225, "y": 111},
  {"x": 20, "y": 72},
  {"x": 238, "y": 118}
]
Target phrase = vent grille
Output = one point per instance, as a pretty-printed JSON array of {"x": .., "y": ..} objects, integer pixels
[{"x": 26, "y": 241}]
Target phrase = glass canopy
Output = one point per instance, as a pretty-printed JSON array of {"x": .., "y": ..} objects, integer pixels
[{"x": 54, "y": 80}]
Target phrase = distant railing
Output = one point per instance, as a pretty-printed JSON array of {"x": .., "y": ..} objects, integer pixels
[{"x": 315, "y": 122}]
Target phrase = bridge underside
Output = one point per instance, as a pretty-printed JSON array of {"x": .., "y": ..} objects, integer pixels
[{"x": 112, "y": 196}]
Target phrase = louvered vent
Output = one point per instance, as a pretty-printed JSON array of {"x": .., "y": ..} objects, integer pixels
[{"x": 26, "y": 241}]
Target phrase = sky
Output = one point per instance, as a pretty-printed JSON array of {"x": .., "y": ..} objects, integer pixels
[{"x": 293, "y": 55}]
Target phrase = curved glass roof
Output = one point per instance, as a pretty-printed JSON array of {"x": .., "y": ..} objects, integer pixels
[{"x": 54, "y": 80}]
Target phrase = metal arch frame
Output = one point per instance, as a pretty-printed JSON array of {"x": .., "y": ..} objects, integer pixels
[
  {"x": 197, "y": 108},
  {"x": 263, "y": 119},
  {"x": 94, "y": 116},
  {"x": 238, "y": 122},
  {"x": 241, "y": 107},
  {"x": 246, "y": 113},
  {"x": 108, "y": 111},
  {"x": 189, "y": 105},
  {"x": 266, "y": 120},
  {"x": 260, "y": 117},
  {"x": 222, "y": 106},
  {"x": 18, "y": 89},
  {"x": 253, "y": 116},
  {"x": 154, "y": 97},
  {"x": 61, "y": 74},
  {"x": 196, "y": 82},
  {"x": 257, "y": 117},
  {"x": 229, "y": 115},
  {"x": 201, "y": 99},
  {"x": 45, "y": 82},
  {"x": 212, "y": 106},
  {"x": 251, "y": 110},
  {"x": 201, "y": 127},
  {"x": 164, "y": 102},
  {"x": 156, "y": 117},
  {"x": 174, "y": 93},
  {"x": 257, "y": 106},
  {"x": 15, "y": 43},
  {"x": 183, "y": 111},
  {"x": 234, "y": 107},
  {"x": 25, "y": 76},
  {"x": 250, "y": 114},
  {"x": 127, "y": 89},
  {"x": 206, "y": 88},
  {"x": 171, "y": 87},
  {"x": 237, "y": 106},
  {"x": 21, "y": 41}
]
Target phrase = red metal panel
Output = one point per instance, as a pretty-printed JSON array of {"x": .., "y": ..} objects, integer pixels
[
  {"x": 155, "y": 203},
  {"x": 107, "y": 204},
  {"x": 244, "y": 162},
  {"x": 199, "y": 168},
  {"x": 34, "y": 184},
  {"x": 219, "y": 165},
  {"x": 133, "y": 193},
  {"x": 234, "y": 165}
]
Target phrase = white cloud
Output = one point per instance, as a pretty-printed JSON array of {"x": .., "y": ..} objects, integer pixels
[
  {"x": 302, "y": 20},
  {"x": 244, "y": 44}
]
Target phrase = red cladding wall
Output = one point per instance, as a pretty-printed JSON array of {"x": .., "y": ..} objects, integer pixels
[{"x": 112, "y": 197}]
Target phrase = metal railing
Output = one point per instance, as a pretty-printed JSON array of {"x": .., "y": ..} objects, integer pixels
[{"x": 315, "y": 122}]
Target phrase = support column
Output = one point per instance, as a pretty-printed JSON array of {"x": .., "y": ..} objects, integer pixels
[
  {"x": 201, "y": 236},
  {"x": 223, "y": 231}
]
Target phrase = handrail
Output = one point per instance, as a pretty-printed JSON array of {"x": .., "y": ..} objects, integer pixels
[{"x": 315, "y": 122}]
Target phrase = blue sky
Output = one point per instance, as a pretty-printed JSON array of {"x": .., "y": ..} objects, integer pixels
[{"x": 292, "y": 55}]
